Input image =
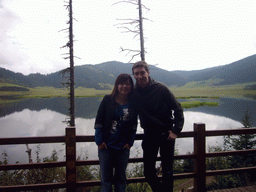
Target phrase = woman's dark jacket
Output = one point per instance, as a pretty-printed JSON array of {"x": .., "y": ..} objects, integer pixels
[{"x": 105, "y": 116}]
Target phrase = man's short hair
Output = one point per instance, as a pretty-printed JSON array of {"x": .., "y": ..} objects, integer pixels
[{"x": 140, "y": 64}]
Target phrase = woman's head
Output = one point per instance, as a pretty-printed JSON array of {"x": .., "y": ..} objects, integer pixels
[{"x": 123, "y": 85}]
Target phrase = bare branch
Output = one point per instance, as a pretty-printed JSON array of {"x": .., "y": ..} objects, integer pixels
[
  {"x": 134, "y": 2},
  {"x": 136, "y": 35},
  {"x": 67, "y": 45},
  {"x": 64, "y": 71},
  {"x": 133, "y": 57},
  {"x": 143, "y": 6},
  {"x": 133, "y": 21},
  {"x": 128, "y": 30},
  {"x": 77, "y": 57},
  {"x": 124, "y": 19},
  {"x": 63, "y": 29},
  {"x": 125, "y": 2},
  {"x": 129, "y": 51},
  {"x": 144, "y": 18}
]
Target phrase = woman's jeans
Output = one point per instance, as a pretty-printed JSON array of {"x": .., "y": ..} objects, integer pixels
[
  {"x": 113, "y": 165},
  {"x": 151, "y": 143}
]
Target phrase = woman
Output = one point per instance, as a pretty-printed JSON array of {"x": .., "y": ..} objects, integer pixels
[{"x": 115, "y": 130}]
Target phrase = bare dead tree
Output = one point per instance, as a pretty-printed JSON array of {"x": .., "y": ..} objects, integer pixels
[
  {"x": 70, "y": 70},
  {"x": 137, "y": 28},
  {"x": 141, "y": 33}
]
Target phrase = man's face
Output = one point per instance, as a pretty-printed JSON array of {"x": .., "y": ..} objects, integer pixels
[{"x": 141, "y": 76}]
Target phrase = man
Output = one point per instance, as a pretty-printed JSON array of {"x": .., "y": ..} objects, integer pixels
[{"x": 161, "y": 117}]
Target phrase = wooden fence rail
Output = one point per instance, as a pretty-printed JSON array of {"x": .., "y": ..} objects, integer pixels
[{"x": 70, "y": 139}]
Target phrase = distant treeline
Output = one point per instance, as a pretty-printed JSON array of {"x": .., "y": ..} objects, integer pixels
[{"x": 102, "y": 76}]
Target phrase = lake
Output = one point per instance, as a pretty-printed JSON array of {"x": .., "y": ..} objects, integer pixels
[{"x": 46, "y": 117}]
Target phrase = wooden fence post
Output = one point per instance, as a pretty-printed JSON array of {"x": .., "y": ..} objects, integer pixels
[
  {"x": 71, "y": 159},
  {"x": 200, "y": 165}
]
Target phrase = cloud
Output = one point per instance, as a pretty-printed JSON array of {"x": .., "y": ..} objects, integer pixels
[
  {"x": 10, "y": 54},
  {"x": 29, "y": 40},
  {"x": 183, "y": 35}
]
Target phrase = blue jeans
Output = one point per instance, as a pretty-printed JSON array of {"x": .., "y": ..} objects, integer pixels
[
  {"x": 113, "y": 165},
  {"x": 151, "y": 144}
]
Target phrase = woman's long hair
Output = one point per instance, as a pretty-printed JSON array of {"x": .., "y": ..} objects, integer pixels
[{"x": 123, "y": 77}]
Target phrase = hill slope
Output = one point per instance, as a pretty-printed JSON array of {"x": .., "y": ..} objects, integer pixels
[
  {"x": 242, "y": 71},
  {"x": 101, "y": 76}
]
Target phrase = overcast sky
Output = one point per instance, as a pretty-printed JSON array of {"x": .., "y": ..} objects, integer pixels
[{"x": 179, "y": 35}]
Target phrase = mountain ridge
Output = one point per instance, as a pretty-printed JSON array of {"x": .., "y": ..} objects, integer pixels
[{"x": 103, "y": 75}]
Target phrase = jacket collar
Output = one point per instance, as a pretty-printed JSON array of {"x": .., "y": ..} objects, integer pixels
[{"x": 151, "y": 82}]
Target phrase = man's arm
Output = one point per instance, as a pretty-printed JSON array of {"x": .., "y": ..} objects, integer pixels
[{"x": 178, "y": 117}]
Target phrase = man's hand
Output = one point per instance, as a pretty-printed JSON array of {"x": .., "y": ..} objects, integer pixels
[
  {"x": 127, "y": 146},
  {"x": 171, "y": 136},
  {"x": 103, "y": 146}
]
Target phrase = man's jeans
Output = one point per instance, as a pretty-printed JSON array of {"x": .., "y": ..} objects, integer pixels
[
  {"x": 113, "y": 165},
  {"x": 151, "y": 144}
]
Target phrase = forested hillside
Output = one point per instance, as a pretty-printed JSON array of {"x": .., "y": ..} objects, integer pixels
[
  {"x": 101, "y": 76},
  {"x": 242, "y": 71}
]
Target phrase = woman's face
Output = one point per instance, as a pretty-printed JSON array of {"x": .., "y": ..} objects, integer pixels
[{"x": 124, "y": 88}]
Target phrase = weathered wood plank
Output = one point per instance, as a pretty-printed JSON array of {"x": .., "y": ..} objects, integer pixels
[{"x": 239, "y": 189}]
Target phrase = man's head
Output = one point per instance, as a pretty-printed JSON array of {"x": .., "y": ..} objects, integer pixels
[
  {"x": 140, "y": 64},
  {"x": 140, "y": 72}
]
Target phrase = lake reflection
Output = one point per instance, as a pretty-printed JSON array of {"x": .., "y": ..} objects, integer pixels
[{"x": 45, "y": 117}]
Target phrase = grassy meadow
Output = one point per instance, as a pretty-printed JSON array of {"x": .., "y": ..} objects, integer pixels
[
  {"x": 234, "y": 91},
  {"x": 188, "y": 92}
]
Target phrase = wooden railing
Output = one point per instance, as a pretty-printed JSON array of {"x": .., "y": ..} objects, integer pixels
[{"x": 199, "y": 134}]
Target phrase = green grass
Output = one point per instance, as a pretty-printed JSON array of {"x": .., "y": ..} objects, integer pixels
[
  {"x": 46, "y": 92},
  {"x": 192, "y": 104},
  {"x": 234, "y": 91},
  {"x": 85, "y": 92},
  {"x": 185, "y": 92},
  {"x": 198, "y": 97}
]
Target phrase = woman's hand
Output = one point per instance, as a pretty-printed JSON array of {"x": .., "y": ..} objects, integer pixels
[
  {"x": 127, "y": 146},
  {"x": 103, "y": 146}
]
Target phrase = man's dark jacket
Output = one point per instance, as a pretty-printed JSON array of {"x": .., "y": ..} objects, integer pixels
[{"x": 158, "y": 109}]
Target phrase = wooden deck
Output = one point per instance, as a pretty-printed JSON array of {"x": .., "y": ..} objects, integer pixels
[{"x": 239, "y": 189}]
